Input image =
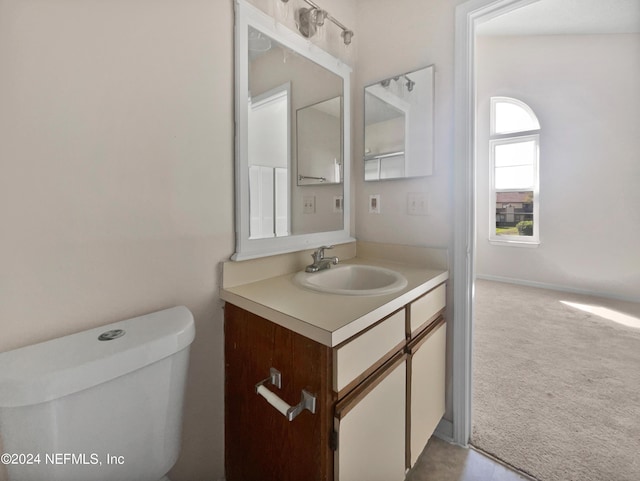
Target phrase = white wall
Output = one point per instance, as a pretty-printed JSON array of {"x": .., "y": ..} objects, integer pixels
[
  {"x": 585, "y": 92},
  {"x": 396, "y": 37},
  {"x": 116, "y": 183}
]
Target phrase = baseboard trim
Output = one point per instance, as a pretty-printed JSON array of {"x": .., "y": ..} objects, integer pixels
[
  {"x": 556, "y": 287},
  {"x": 444, "y": 431}
]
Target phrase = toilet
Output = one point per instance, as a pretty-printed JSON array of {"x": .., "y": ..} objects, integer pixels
[{"x": 100, "y": 405}]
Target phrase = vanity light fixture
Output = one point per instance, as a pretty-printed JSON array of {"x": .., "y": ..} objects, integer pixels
[
  {"x": 309, "y": 19},
  {"x": 409, "y": 83},
  {"x": 347, "y": 35}
]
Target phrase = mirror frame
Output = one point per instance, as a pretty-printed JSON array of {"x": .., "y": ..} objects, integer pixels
[{"x": 247, "y": 15}]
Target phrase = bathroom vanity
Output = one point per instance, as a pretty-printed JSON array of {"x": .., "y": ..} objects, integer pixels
[
  {"x": 324, "y": 383},
  {"x": 368, "y": 372}
]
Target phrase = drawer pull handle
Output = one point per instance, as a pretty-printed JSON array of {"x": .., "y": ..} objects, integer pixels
[{"x": 307, "y": 401}]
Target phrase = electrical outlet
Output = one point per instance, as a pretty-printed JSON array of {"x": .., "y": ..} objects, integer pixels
[
  {"x": 337, "y": 204},
  {"x": 417, "y": 203},
  {"x": 309, "y": 204},
  {"x": 374, "y": 204}
]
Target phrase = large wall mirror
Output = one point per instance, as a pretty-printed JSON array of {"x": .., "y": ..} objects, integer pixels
[
  {"x": 292, "y": 132},
  {"x": 398, "y": 126}
]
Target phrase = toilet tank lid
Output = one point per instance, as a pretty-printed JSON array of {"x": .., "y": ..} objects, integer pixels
[{"x": 59, "y": 367}]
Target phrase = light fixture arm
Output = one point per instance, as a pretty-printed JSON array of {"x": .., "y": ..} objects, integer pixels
[{"x": 310, "y": 19}]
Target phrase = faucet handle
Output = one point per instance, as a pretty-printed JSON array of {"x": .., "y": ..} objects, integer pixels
[{"x": 318, "y": 255}]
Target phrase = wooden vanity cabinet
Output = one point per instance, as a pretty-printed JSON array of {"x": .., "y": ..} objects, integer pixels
[
  {"x": 373, "y": 413},
  {"x": 260, "y": 443}
]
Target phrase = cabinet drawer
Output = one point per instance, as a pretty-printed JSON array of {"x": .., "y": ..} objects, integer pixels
[
  {"x": 425, "y": 308},
  {"x": 359, "y": 357}
]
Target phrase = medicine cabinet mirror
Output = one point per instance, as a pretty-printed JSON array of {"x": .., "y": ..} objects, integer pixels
[
  {"x": 398, "y": 127},
  {"x": 292, "y": 132}
]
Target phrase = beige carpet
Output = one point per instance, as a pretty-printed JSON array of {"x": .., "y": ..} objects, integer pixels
[{"x": 556, "y": 388}]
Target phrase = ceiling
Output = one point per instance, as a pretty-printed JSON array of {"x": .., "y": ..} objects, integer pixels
[{"x": 569, "y": 17}]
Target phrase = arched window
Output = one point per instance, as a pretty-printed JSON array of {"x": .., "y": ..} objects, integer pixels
[{"x": 514, "y": 152}]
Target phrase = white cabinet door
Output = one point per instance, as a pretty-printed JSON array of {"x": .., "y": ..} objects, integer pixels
[
  {"x": 427, "y": 371},
  {"x": 370, "y": 423}
]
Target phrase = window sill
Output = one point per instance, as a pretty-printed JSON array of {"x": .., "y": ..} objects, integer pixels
[{"x": 514, "y": 243}]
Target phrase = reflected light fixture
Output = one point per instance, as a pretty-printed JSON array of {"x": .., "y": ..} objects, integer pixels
[
  {"x": 258, "y": 42},
  {"x": 410, "y": 83},
  {"x": 406, "y": 82}
]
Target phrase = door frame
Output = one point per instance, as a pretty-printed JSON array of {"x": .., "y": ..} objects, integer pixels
[{"x": 467, "y": 16}]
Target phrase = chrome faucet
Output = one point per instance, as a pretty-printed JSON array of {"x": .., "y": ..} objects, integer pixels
[{"x": 320, "y": 262}]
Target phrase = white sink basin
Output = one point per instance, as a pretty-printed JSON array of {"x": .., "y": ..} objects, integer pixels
[{"x": 353, "y": 280}]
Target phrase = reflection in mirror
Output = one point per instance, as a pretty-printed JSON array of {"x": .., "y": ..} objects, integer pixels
[
  {"x": 398, "y": 132},
  {"x": 319, "y": 139},
  {"x": 278, "y": 75},
  {"x": 272, "y": 65},
  {"x": 269, "y": 160}
]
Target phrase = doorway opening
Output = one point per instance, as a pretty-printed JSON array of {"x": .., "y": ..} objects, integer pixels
[{"x": 501, "y": 262}]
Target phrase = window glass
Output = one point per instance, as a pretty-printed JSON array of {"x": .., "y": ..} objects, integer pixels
[
  {"x": 514, "y": 213},
  {"x": 514, "y": 163},
  {"x": 514, "y": 177},
  {"x": 512, "y": 115},
  {"x": 515, "y": 153}
]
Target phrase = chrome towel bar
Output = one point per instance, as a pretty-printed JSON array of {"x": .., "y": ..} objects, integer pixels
[{"x": 303, "y": 177}]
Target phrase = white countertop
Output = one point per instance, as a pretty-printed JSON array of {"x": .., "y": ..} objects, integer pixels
[{"x": 329, "y": 319}]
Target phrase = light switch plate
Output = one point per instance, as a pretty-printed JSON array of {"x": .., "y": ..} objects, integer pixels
[
  {"x": 374, "y": 204},
  {"x": 417, "y": 203},
  {"x": 309, "y": 204}
]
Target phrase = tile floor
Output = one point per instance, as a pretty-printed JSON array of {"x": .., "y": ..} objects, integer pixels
[{"x": 441, "y": 461}]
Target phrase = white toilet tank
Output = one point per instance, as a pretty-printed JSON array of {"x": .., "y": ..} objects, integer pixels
[{"x": 78, "y": 408}]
